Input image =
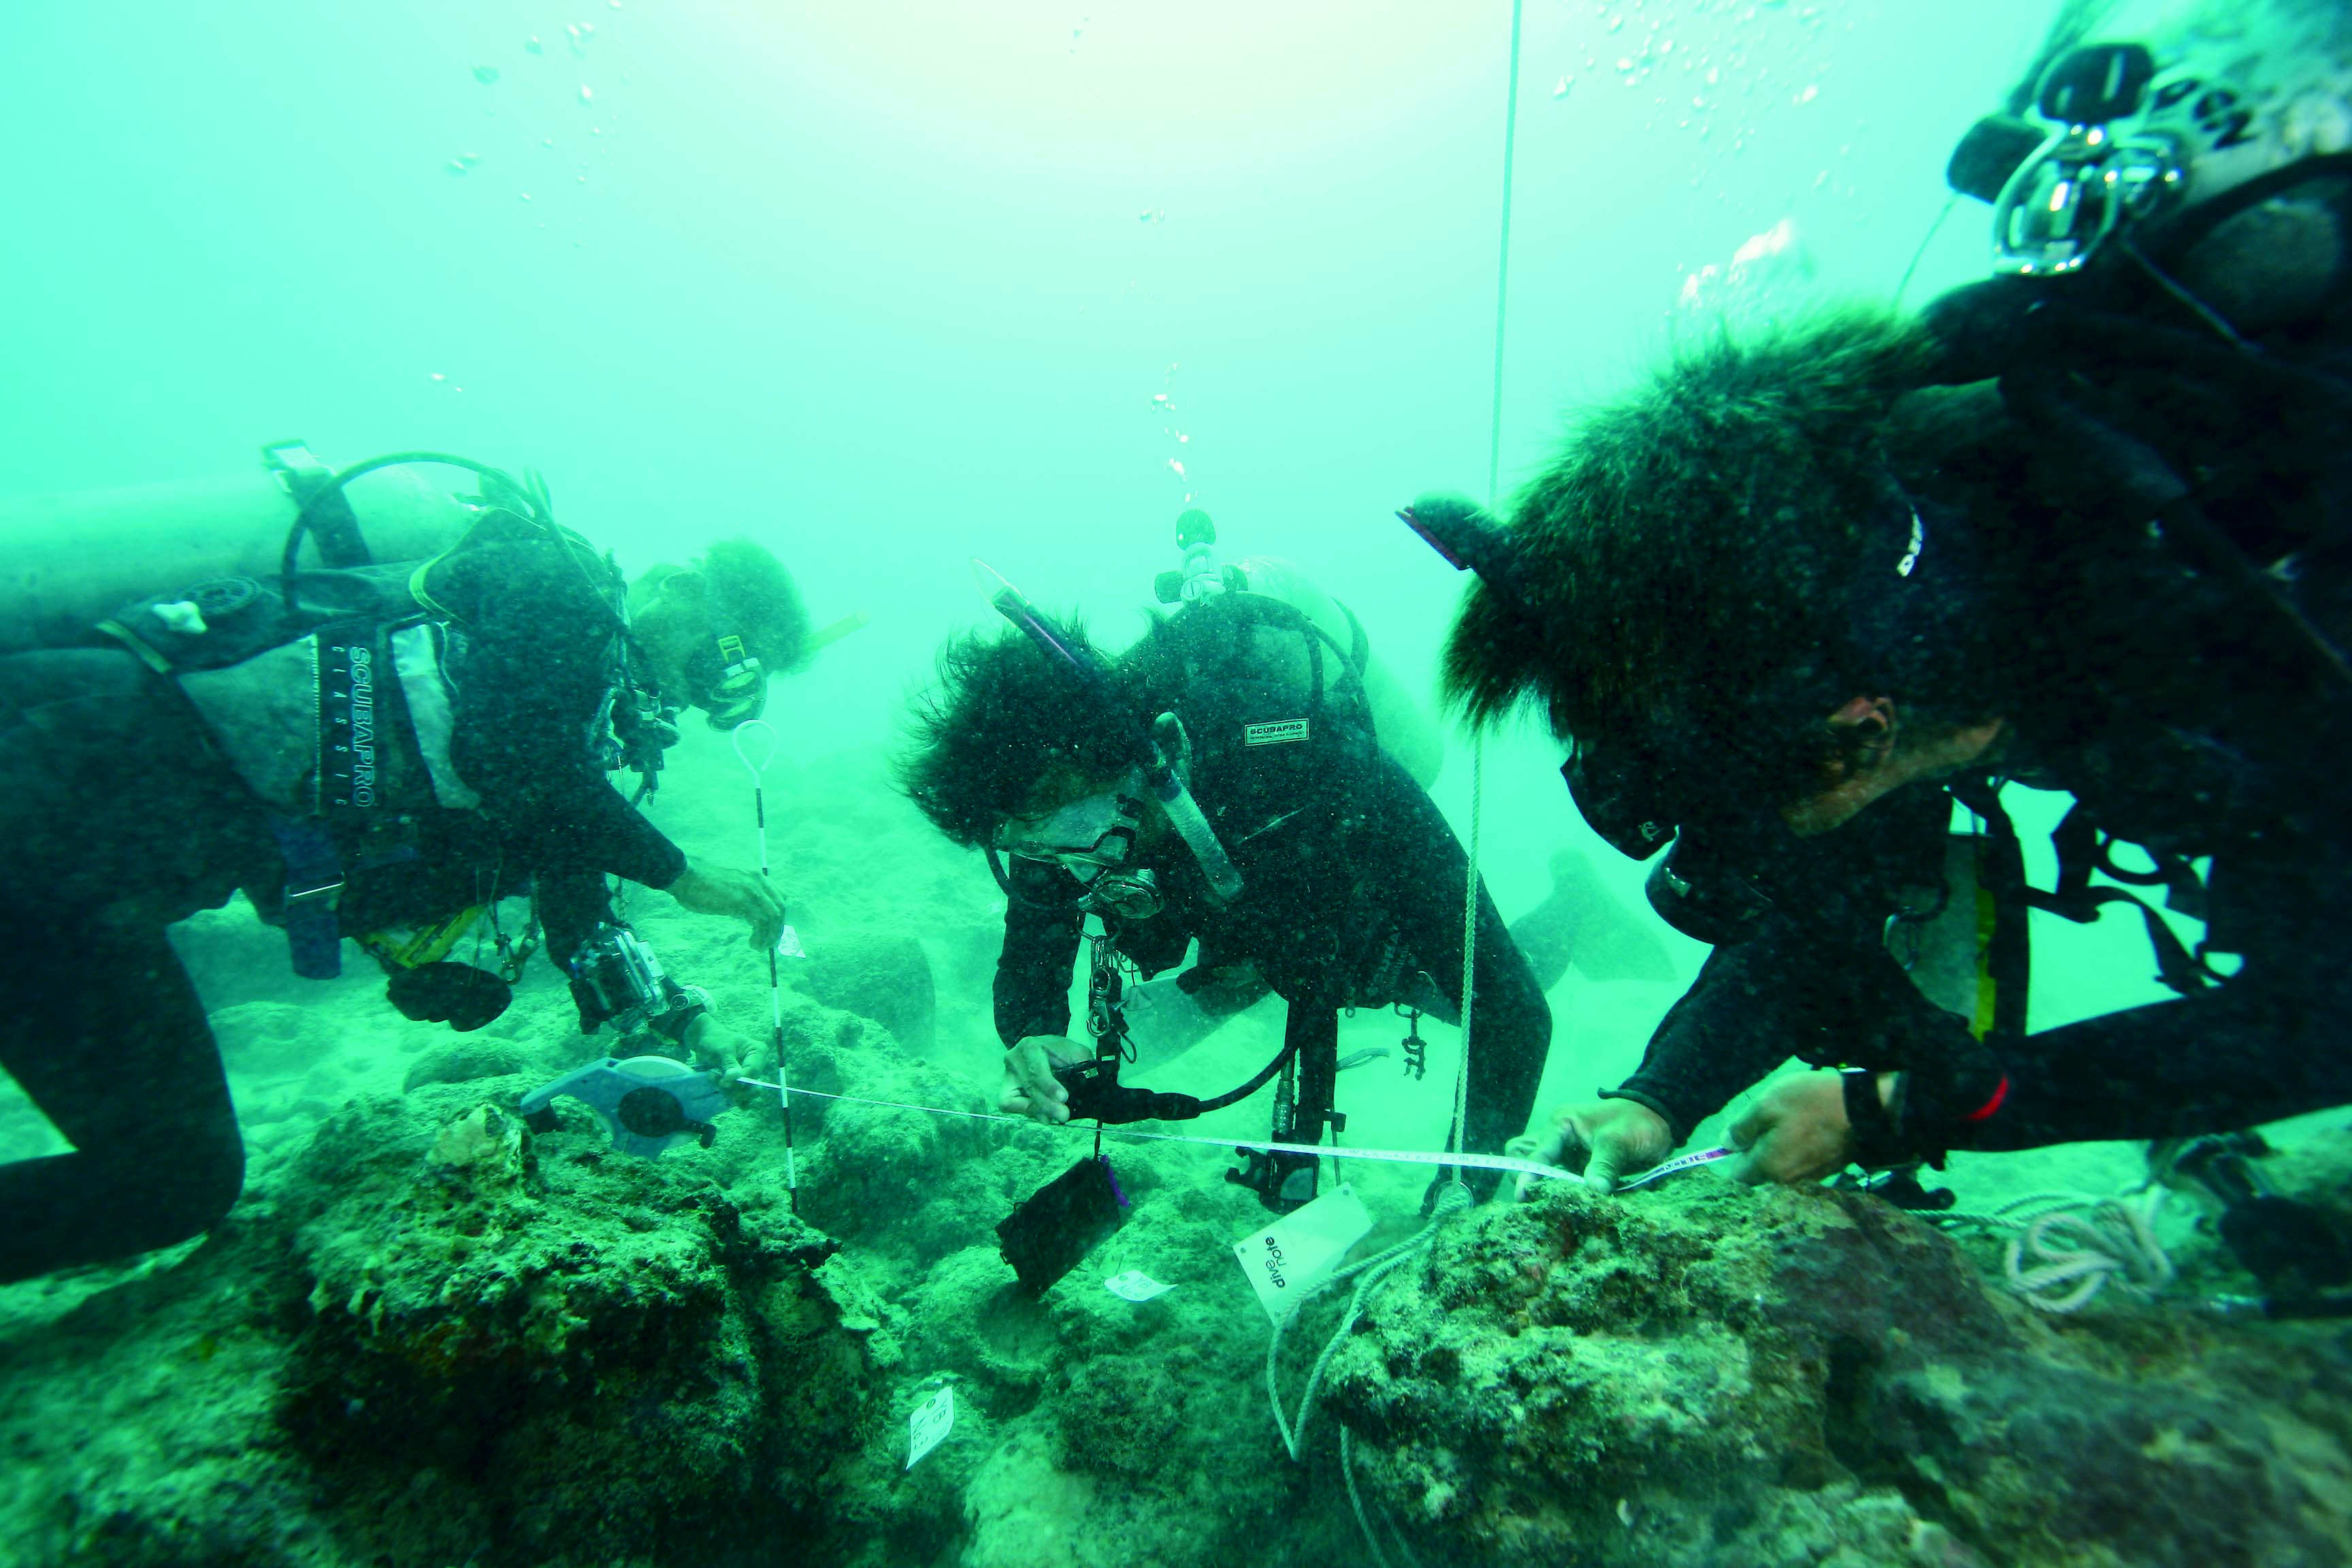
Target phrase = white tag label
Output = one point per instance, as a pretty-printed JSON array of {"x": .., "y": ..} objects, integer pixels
[
  {"x": 1300, "y": 1250},
  {"x": 1134, "y": 1285},
  {"x": 789, "y": 944},
  {"x": 930, "y": 1422},
  {"x": 1274, "y": 735}
]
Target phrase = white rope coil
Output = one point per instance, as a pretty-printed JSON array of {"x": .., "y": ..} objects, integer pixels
[{"x": 2065, "y": 1248}]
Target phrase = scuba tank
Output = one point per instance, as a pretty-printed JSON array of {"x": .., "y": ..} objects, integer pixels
[
  {"x": 68, "y": 562},
  {"x": 1404, "y": 729}
]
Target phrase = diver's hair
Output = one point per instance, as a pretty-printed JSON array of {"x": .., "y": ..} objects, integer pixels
[
  {"x": 751, "y": 589},
  {"x": 1687, "y": 558},
  {"x": 1001, "y": 716}
]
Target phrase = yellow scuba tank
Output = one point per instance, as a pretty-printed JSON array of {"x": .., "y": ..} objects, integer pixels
[{"x": 67, "y": 562}]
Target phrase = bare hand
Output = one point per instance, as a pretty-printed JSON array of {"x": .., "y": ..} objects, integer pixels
[
  {"x": 745, "y": 896},
  {"x": 1615, "y": 1138},
  {"x": 716, "y": 1048},
  {"x": 1797, "y": 1131},
  {"x": 1030, "y": 1087}
]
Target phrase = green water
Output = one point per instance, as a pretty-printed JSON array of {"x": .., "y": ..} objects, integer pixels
[{"x": 887, "y": 287}]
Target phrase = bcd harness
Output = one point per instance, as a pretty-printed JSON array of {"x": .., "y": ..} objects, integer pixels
[
  {"x": 2004, "y": 900},
  {"x": 1233, "y": 717},
  {"x": 331, "y": 694}
]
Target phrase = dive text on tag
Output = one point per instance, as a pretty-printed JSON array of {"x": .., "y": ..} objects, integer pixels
[
  {"x": 1297, "y": 1252},
  {"x": 1274, "y": 734},
  {"x": 1134, "y": 1285},
  {"x": 930, "y": 1422}
]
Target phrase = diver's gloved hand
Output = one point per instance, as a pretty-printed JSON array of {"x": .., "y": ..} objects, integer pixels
[
  {"x": 745, "y": 896},
  {"x": 1798, "y": 1130},
  {"x": 1605, "y": 1139},
  {"x": 1030, "y": 1087}
]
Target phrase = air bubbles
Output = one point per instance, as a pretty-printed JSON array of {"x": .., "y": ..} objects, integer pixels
[{"x": 587, "y": 95}]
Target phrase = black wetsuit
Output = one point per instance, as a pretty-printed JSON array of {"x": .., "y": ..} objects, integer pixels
[
  {"x": 2183, "y": 714},
  {"x": 119, "y": 816},
  {"x": 1352, "y": 880}
]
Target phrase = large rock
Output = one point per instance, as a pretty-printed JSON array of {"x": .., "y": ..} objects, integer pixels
[
  {"x": 883, "y": 976},
  {"x": 1705, "y": 1374},
  {"x": 433, "y": 1339}
]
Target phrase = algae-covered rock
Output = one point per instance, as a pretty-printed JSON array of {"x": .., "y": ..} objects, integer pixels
[
  {"x": 1709, "y": 1374},
  {"x": 436, "y": 1339},
  {"x": 883, "y": 976},
  {"x": 585, "y": 1357},
  {"x": 465, "y": 1060}
]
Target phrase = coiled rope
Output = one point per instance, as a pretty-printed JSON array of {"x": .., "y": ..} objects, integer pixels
[{"x": 2064, "y": 1247}]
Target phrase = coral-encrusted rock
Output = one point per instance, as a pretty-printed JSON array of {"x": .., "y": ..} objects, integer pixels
[
  {"x": 1705, "y": 1374},
  {"x": 557, "y": 1355}
]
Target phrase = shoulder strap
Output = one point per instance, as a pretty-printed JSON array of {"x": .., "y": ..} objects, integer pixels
[{"x": 2081, "y": 850}]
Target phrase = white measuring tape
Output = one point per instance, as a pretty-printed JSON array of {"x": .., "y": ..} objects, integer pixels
[
  {"x": 1329, "y": 1151},
  {"x": 1688, "y": 1163}
]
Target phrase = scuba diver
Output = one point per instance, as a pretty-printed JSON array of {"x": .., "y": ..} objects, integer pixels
[
  {"x": 2086, "y": 526},
  {"x": 377, "y": 752},
  {"x": 1222, "y": 781}
]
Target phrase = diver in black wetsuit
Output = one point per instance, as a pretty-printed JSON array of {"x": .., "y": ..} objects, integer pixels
[
  {"x": 2087, "y": 526},
  {"x": 1350, "y": 884},
  {"x": 443, "y": 740}
]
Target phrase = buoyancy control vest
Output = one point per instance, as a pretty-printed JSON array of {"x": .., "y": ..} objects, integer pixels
[
  {"x": 1275, "y": 714},
  {"x": 333, "y": 695}
]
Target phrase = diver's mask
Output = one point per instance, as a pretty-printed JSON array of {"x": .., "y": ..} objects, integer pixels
[
  {"x": 2091, "y": 175},
  {"x": 1702, "y": 887},
  {"x": 1094, "y": 841},
  {"x": 728, "y": 683},
  {"x": 1730, "y": 857}
]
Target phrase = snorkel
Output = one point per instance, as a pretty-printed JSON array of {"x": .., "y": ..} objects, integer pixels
[{"x": 1160, "y": 782}]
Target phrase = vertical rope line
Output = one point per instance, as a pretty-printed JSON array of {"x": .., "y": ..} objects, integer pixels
[
  {"x": 1469, "y": 948},
  {"x": 775, "y": 984},
  {"x": 1503, "y": 257},
  {"x": 1494, "y": 487}
]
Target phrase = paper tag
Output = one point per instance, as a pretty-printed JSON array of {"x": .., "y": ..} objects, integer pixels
[
  {"x": 789, "y": 944},
  {"x": 927, "y": 1423},
  {"x": 1134, "y": 1285},
  {"x": 1300, "y": 1250}
]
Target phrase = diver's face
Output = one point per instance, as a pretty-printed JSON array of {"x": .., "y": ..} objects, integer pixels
[
  {"x": 1884, "y": 759},
  {"x": 1086, "y": 825}
]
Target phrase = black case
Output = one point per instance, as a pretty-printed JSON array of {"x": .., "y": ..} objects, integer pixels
[{"x": 1063, "y": 1221}]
